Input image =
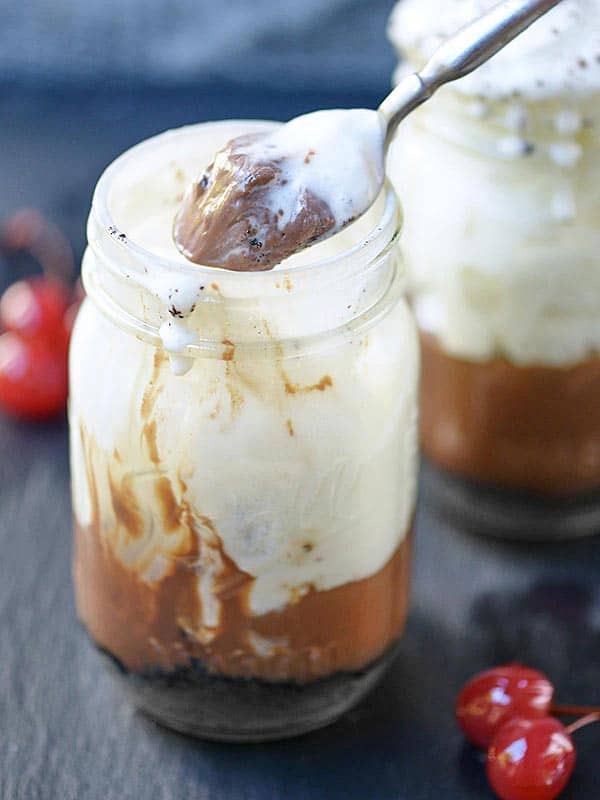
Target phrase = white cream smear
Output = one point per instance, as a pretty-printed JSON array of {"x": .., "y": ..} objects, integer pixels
[{"x": 337, "y": 155}]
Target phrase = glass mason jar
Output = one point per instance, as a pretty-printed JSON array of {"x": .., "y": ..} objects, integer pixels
[
  {"x": 244, "y": 458},
  {"x": 502, "y": 243}
]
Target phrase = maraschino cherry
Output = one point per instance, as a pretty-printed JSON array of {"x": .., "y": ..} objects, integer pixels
[
  {"x": 494, "y": 696},
  {"x": 33, "y": 377},
  {"x": 36, "y": 316},
  {"x": 530, "y": 754},
  {"x": 530, "y": 759}
]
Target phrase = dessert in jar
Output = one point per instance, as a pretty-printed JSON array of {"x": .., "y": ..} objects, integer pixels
[
  {"x": 244, "y": 456},
  {"x": 499, "y": 177}
]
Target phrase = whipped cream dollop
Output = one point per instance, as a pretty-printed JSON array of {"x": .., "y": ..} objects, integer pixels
[
  {"x": 557, "y": 56},
  {"x": 493, "y": 271},
  {"x": 268, "y": 195},
  {"x": 498, "y": 177}
]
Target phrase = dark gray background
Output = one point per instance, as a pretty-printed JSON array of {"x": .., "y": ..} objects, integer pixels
[
  {"x": 80, "y": 80},
  {"x": 332, "y": 44}
]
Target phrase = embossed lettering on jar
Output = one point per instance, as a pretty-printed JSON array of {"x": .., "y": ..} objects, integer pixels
[{"x": 244, "y": 459}]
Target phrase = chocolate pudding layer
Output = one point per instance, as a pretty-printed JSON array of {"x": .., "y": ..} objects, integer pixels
[
  {"x": 151, "y": 627},
  {"x": 534, "y": 428}
]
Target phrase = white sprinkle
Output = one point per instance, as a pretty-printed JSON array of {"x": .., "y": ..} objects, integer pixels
[
  {"x": 564, "y": 154},
  {"x": 478, "y": 109},
  {"x": 513, "y": 147},
  {"x": 515, "y": 118},
  {"x": 567, "y": 122},
  {"x": 563, "y": 206}
]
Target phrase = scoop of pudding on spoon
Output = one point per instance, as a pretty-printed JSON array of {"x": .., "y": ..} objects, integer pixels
[{"x": 268, "y": 195}]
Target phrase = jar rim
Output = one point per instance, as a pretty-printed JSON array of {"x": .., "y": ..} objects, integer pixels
[
  {"x": 102, "y": 223},
  {"x": 116, "y": 266}
]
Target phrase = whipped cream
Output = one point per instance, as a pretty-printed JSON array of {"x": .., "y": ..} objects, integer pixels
[
  {"x": 301, "y": 456},
  {"x": 559, "y": 55},
  {"x": 498, "y": 177},
  {"x": 501, "y": 245}
]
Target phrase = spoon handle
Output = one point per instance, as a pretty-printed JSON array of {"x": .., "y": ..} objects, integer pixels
[{"x": 460, "y": 54}]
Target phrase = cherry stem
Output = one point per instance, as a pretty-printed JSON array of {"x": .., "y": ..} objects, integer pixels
[
  {"x": 29, "y": 231},
  {"x": 581, "y": 723},
  {"x": 573, "y": 711}
]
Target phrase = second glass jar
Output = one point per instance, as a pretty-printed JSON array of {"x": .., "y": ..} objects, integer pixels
[{"x": 502, "y": 237}]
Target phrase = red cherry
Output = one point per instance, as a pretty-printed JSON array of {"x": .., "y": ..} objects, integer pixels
[
  {"x": 33, "y": 377},
  {"x": 489, "y": 699},
  {"x": 34, "y": 307},
  {"x": 530, "y": 759}
]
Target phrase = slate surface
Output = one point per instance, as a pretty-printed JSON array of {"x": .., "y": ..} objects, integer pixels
[{"x": 65, "y": 732}]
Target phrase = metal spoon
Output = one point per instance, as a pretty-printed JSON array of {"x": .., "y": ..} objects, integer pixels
[{"x": 230, "y": 218}]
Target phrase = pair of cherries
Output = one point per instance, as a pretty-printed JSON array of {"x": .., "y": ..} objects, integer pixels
[
  {"x": 36, "y": 317},
  {"x": 507, "y": 711}
]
